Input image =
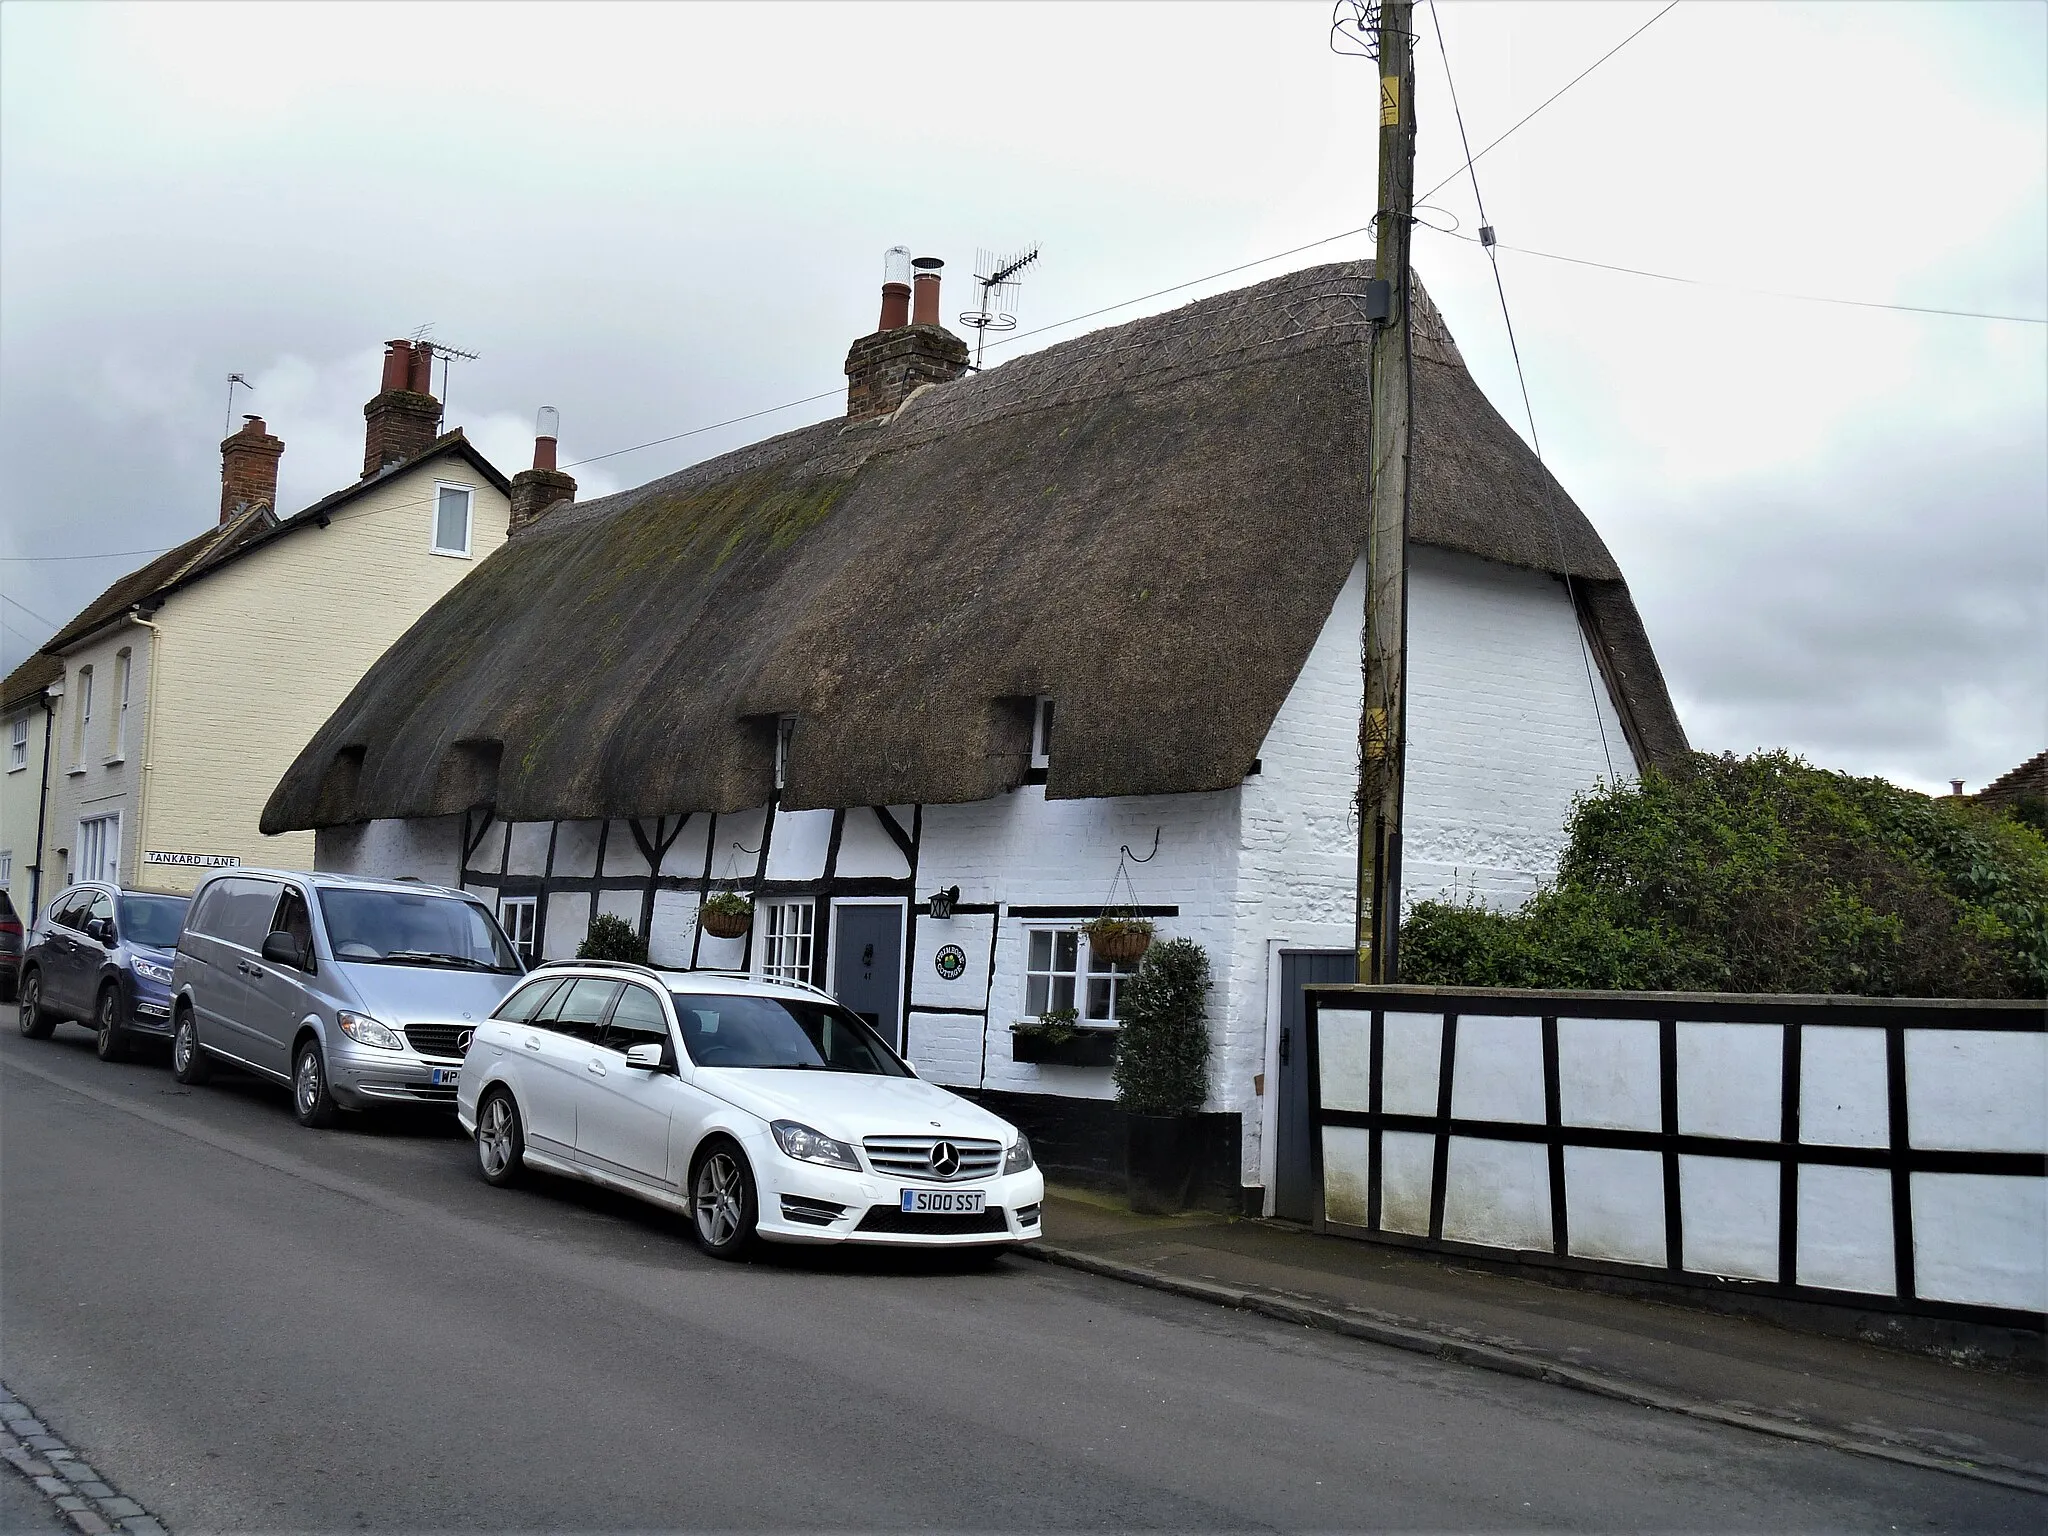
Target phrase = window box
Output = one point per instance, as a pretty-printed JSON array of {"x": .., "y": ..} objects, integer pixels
[{"x": 1087, "y": 1048}]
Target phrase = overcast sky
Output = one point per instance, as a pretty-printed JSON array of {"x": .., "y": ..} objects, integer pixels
[{"x": 1834, "y": 519}]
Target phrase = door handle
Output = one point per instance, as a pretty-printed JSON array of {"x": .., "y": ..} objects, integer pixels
[
  {"x": 596, "y": 1066},
  {"x": 532, "y": 1044},
  {"x": 241, "y": 967},
  {"x": 256, "y": 972}
]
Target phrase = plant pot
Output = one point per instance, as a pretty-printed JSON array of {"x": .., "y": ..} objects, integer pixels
[
  {"x": 1087, "y": 1048},
  {"x": 1159, "y": 1161},
  {"x": 724, "y": 925},
  {"x": 1124, "y": 947}
]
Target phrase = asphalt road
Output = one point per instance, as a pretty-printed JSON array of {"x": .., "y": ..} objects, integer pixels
[{"x": 250, "y": 1326}]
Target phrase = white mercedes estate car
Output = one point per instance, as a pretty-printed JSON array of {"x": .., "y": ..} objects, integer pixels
[{"x": 763, "y": 1109}]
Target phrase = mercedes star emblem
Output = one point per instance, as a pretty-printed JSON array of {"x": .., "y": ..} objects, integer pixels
[
  {"x": 463, "y": 1039},
  {"x": 945, "y": 1159}
]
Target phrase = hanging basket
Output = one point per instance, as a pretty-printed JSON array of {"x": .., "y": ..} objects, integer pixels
[
  {"x": 726, "y": 915},
  {"x": 1119, "y": 939}
]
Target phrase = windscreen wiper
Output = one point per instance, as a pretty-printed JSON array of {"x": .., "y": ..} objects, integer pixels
[{"x": 439, "y": 958}]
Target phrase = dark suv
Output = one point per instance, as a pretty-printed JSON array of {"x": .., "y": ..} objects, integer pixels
[{"x": 102, "y": 956}]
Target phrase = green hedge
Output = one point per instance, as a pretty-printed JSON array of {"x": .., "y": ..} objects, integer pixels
[
  {"x": 1162, "y": 1054},
  {"x": 1763, "y": 874},
  {"x": 612, "y": 938}
]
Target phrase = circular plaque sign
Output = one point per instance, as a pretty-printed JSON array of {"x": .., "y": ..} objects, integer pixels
[{"x": 951, "y": 962}]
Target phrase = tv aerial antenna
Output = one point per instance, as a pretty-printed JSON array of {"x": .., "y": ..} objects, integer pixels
[
  {"x": 997, "y": 276},
  {"x": 447, "y": 352}
]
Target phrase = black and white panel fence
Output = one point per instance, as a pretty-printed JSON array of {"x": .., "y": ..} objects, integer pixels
[{"x": 1891, "y": 1155}]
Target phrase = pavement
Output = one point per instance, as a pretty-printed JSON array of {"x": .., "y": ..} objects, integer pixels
[
  {"x": 1989, "y": 1422},
  {"x": 241, "y": 1325}
]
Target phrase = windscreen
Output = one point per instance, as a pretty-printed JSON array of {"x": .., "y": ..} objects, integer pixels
[
  {"x": 780, "y": 1032},
  {"x": 414, "y": 928},
  {"x": 153, "y": 920}
]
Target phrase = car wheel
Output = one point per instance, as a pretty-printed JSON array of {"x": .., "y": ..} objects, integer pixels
[
  {"x": 723, "y": 1207},
  {"x": 36, "y": 1023},
  {"x": 111, "y": 1038},
  {"x": 500, "y": 1139},
  {"x": 190, "y": 1064},
  {"x": 312, "y": 1103}
]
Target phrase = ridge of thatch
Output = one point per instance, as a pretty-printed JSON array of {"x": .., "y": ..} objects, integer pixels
[{"x": 1149, "y": 524}]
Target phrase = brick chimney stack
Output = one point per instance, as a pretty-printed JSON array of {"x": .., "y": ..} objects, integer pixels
[
  {"x": 404, "y": 418},
  {"x": 910, "y": 349},
  {"x": 248, "y": 468},
  {"x": 542, "y": 487}
]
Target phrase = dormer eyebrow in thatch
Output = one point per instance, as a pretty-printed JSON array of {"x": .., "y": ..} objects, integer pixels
[{"x": 1149, "y": 524}]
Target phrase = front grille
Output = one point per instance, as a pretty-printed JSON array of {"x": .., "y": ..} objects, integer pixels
[
  {"x": 438, "y": 1039},
  {"x": 815, "y": 1213},
  {"x": 910, "y": 1157},
  {"x": 890, "y": 1218}
]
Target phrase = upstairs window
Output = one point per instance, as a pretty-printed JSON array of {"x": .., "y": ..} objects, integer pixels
[
  {"x": 117, "y": 737},
  {"x": 81, "y": 720},
  {"x": 786, "y": 941},
  {"x": 17, "y": 744},
  {"x": 451, "y": 520},
  {"x": 1041, "y": 734},
  {"x": 785, "y": 732}
]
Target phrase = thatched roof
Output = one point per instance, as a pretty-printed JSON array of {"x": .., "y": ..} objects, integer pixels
[{"x": 1149, "y": 524}]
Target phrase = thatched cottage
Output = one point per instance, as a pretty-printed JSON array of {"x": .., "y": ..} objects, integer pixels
[{"x": 989, "y": 637}]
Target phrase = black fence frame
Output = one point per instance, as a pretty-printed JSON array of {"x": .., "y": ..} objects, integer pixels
[{"x": 1669, "y": 1009}]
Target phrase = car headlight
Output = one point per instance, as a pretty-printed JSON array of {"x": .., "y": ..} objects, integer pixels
[
  {"x": 364, "y": 1030},
  {"x": 1018, "y": 1158},
  {"x": 809, "y": 1146},
  {"x": 150, "y": 970}
]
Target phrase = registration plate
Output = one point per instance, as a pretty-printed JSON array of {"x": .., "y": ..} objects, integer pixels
[
  {"x": 447, "y": 1077},
  {"x": 945, "y": 1202}
]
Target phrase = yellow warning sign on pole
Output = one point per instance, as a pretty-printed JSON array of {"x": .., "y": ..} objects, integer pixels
[{"x": 1390, "y": 101}]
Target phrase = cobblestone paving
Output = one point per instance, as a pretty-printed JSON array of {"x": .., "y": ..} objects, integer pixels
[{"x": 85, "y": 1498}]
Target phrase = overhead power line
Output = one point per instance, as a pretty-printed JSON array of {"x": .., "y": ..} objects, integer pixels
[{"x": 1575, "y": 79}]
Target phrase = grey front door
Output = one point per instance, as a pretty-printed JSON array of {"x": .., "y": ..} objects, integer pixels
[
  {"x": 1293, "y": 1168},
  {"x": 867, "y": 966}
]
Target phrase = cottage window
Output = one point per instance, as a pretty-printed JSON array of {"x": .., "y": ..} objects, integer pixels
[
  {"x": 117, "y": 742},
  {"x": 1061, "y": 971},
  {"x": 81, "y": 720},
  {"x": 1041, "y": 734},
  {"x": 452, "y": 520},
  {"x": 99, "y": 848},
  {"x": 6, "y": 866},
  {"x": 785, "y": 730},
  {"x": 519, "y": 916},
  {"x": 17, "y": 745},
  {"x": 786, "y": 941}
]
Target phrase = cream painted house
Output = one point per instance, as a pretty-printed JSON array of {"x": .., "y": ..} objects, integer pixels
[
  {"x": 189, "y": 686},
  {"x": 26, "y": 708}
]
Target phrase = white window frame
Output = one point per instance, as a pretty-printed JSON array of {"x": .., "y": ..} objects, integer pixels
[
  {"x": 6, "y": 866},
  {"x": 434, "y": 544},
  {"x": 785, "y": 731},
  {"x": 81, "y": 721},
  {"x": 789, "y": 933},
  {"x": 527, "y": 945},
  {"x": 17, "y": 745},
  {"x": 99, "y": 849},
  {"x": 124, "y": 671},
  {"x": 1085, "y": 970},
  {"x": 1041, "y": 732}
]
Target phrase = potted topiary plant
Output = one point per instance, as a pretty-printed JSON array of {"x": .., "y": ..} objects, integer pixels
[
  {"x": 612, "y": 938},
  {"x": 1162, "y": 1072},
  {"x": 1121, "y": 936},
  {"x": 725, "y": 914}
]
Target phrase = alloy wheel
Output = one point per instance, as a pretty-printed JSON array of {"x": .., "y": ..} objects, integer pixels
[
  {"x": 721, "y": 1201},
  {"x": 307, "y": 1084},
  {"x": 111, "y": 1040},
  {"x": 182, "y": 1046},
  {"x": 29, "y": 1004},
  {"x": 494, "y": 1137}
]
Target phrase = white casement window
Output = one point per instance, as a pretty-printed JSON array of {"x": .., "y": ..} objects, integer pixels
[
  {"x": 1061, "y": 971},
  {"x": 1041, "y": 734},
  {"x": 785, "y": 731},
  {"x": 81, "y": 719},
  {"x": 519, "y": 916},
  {"x": 451, "y": 520},
  {"x": 6, "y": 866},
  {"x": 786, "y": 940},
  {"x": 17, "y": 744},
  {"x": 99, "y": 848},
  {"x": 117, "y": 739}
]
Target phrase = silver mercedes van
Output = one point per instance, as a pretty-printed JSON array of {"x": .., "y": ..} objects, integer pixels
[{"x": 354, "y": 992}]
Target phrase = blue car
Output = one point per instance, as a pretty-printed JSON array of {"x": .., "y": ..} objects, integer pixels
[{"x": 101, "y": 956}]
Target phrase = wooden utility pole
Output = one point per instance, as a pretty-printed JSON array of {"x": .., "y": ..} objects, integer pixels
[{"x": 1383, "y": 725}]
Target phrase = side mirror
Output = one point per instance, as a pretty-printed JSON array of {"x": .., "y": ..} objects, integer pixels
[
  {"x": 100, "y": 930},
  {"x": 645, "y": 1058},
  {"x": 910, "y": 1066},
  {"x": 280, "y": 948}
]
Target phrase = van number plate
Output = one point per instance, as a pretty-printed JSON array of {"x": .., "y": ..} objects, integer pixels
[
  {"x": 447, "y": 1077},
  {"x": 945, "y": 1202}
]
